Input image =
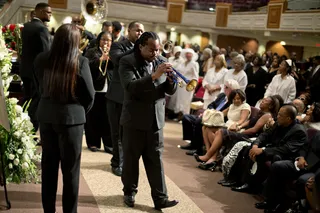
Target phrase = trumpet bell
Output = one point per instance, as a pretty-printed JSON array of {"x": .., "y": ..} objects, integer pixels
[
  {"x": 94, "y": 10},
  {"x": 168, "y": 47},
  {"x": 191, "y": 85}
]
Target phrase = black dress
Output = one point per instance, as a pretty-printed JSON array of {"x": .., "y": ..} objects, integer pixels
[{"x": 259, "y": 79}]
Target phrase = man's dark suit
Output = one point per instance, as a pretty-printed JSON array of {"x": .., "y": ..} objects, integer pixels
[
  {"x": 61, "y": 135},
  {"x": 143, "y": 119},
  {"x": 35, "y": 39},
  {"x": 314, "y": 85},
  {"x": 283, "y": 172},
  {"x": 192, "y": 124},
  {"x": 115, "y": 99}
]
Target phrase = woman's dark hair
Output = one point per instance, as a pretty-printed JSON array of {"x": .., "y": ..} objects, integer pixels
[
  {"x": 316, "y": 112},
  {"x": 143, "y": 40},
  {"x": 259, "y": 60},
  {"x": 239, "y": 92},
  {"x": 100, "y": 36},
  {"x": 280, "y": 99},
  {"x": 61, "y": 72},
  {"x": 274, "y": 106}
]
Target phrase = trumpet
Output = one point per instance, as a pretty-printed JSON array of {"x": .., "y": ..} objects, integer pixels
[
  {"x": 176, "y": 75},
  {"x": 106, "y": 51}
]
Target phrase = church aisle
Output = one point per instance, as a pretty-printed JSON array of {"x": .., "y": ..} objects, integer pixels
[{"x": 101, "y": 191}]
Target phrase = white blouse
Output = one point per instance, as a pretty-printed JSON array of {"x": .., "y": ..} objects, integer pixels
[
  {"x": 213, "y": 78},
  {"x": 240, "y": 77},
  {"x": 286, "y": 88},
  {"x": 234, "y": 113}
]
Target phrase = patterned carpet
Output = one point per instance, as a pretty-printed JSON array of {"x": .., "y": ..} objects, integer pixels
[{"x": 101, "y": 191}]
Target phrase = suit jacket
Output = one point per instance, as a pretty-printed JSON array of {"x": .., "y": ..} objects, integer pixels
[
  {"x": 219, "y": 100},
  {"x": 283, "y": 141},
  {"x": 122, "y": 38},
  {"x": 74, "y": 111},
  {"x": 311, "y": 153},
  {"x": 144, "y": 100},
  {"x": 117, "y": 51},
  {"x": 315, "y": 86},
  {"x": 36, "y": 39}
]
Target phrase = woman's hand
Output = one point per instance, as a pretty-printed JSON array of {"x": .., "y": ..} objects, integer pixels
[
  {"x": 270, "y": 123},
  {"x": 104, "y": 57},
  {"x": 233, "y": 127}
]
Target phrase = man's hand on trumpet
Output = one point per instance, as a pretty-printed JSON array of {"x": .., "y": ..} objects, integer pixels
[{"x": 162, "y": 68}]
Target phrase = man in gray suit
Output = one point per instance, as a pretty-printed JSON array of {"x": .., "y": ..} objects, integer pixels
[
  {"x": 142, "y": 75},
  {"x": 115, "y": 93}
]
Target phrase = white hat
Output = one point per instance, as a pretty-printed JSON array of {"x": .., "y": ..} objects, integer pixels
[
  {"x": 213, "y": 118},
  {"x": 177, "y": 49},
  {"x": 189, "y": 50},
  {"x": 289, "y": 62}
]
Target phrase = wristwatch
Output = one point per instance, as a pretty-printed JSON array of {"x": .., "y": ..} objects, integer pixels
[{"x": 263, "y": 148}]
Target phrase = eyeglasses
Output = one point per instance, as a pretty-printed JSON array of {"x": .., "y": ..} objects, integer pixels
[
  {"x": 226, "y": 86},
  {"x": 302, "y": 99}
]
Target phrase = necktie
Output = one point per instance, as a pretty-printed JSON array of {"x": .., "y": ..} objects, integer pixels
[{"x": 219, "y": 107}]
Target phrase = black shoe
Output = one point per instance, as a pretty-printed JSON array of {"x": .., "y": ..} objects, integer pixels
[
  {"x": 229, "y": 183},
  {"x": 166, "y": 204},
  {"x": 262, "y": 205},
  {"x": 117, "y": 171},
  {"x": 129, "y": 200},
  {"x": 187, "y": 147},
  {"x": 191, "y": 152},
  {"x": 208, "y": 166},
  {"x": 222, "y": 181},
  {"x": 244, "y": 188},
  {"x": 196, "y": 156},
  {"x": 108, "y": 150},
  {"x": 93, "y": 149}
]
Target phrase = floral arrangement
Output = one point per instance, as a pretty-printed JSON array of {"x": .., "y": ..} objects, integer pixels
[
  {"x": 12, "y": 36},
  {"x": 20, "y": 156}
]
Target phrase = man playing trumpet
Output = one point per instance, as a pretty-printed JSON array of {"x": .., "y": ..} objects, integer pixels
[{"x": 97, "y": 126}]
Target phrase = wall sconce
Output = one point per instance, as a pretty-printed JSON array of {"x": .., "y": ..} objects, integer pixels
[{"x": 283, "y": 43}]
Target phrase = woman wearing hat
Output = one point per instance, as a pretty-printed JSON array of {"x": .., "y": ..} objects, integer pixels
[
  {"x": 176, "y": 59},
  {"x": 180, "y": 102},
  {"x": 283, "y": 84}
]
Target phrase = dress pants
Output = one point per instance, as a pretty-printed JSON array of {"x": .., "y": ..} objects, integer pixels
[
  {"x": 192, "y": 130},
  {"x": 30, "y": 93},
  {"x": 97, "y": 126},
  {"x": 114, "y": 112},
  {"x": 281, "y": 173},
  {"x": 149, "y": 145},
  {"x": 60, "y": 143}
]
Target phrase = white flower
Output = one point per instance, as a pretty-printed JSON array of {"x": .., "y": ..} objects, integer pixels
[
  {"x": 17, "y": 134},
  {"x": 25, "y": 165},
  {"x": 18, "y": 109},
  {"x": 10, "y": 166},
  {"x": 16, "y": 162},
  {"x": 26, "y": 157},
  {"x": 19, "y": 151},
  {"x": 11, "y": 156},
  {"x": 13, "y": 101}
]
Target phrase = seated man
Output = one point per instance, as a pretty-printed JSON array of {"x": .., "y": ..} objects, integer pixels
[
  {"x": 282, "y": 142},
  {"x": 191, "y": 124},
  {"x": 285, "y": 171}
]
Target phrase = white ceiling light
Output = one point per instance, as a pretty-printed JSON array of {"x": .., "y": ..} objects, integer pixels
[
  {"x": 283, "y": 43},
  {"x": 173, "y": 29},
  {"x": 211, "y": 9}
]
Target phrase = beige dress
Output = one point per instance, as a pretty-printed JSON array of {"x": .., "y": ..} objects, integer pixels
[{"x": 234, "y": 113}]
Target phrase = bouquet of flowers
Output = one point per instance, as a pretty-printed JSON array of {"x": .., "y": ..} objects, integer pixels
[
  {"x": 20, "y": 156},
  {"x": 12, "y": 37}
]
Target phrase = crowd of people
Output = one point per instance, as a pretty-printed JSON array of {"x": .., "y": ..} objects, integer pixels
[{"x": 259, "y": 122}]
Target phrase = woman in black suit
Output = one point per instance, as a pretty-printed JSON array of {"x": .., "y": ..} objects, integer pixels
[
  {"x": 67, "y": 94},
  {"x": 97, "y": 126}
]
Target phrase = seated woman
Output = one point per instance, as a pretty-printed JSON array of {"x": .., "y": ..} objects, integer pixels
[
  {"x": 237, "y": 114},
  {"x": 268, "y": 109},
  {"x": 312, "y": 118}
]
